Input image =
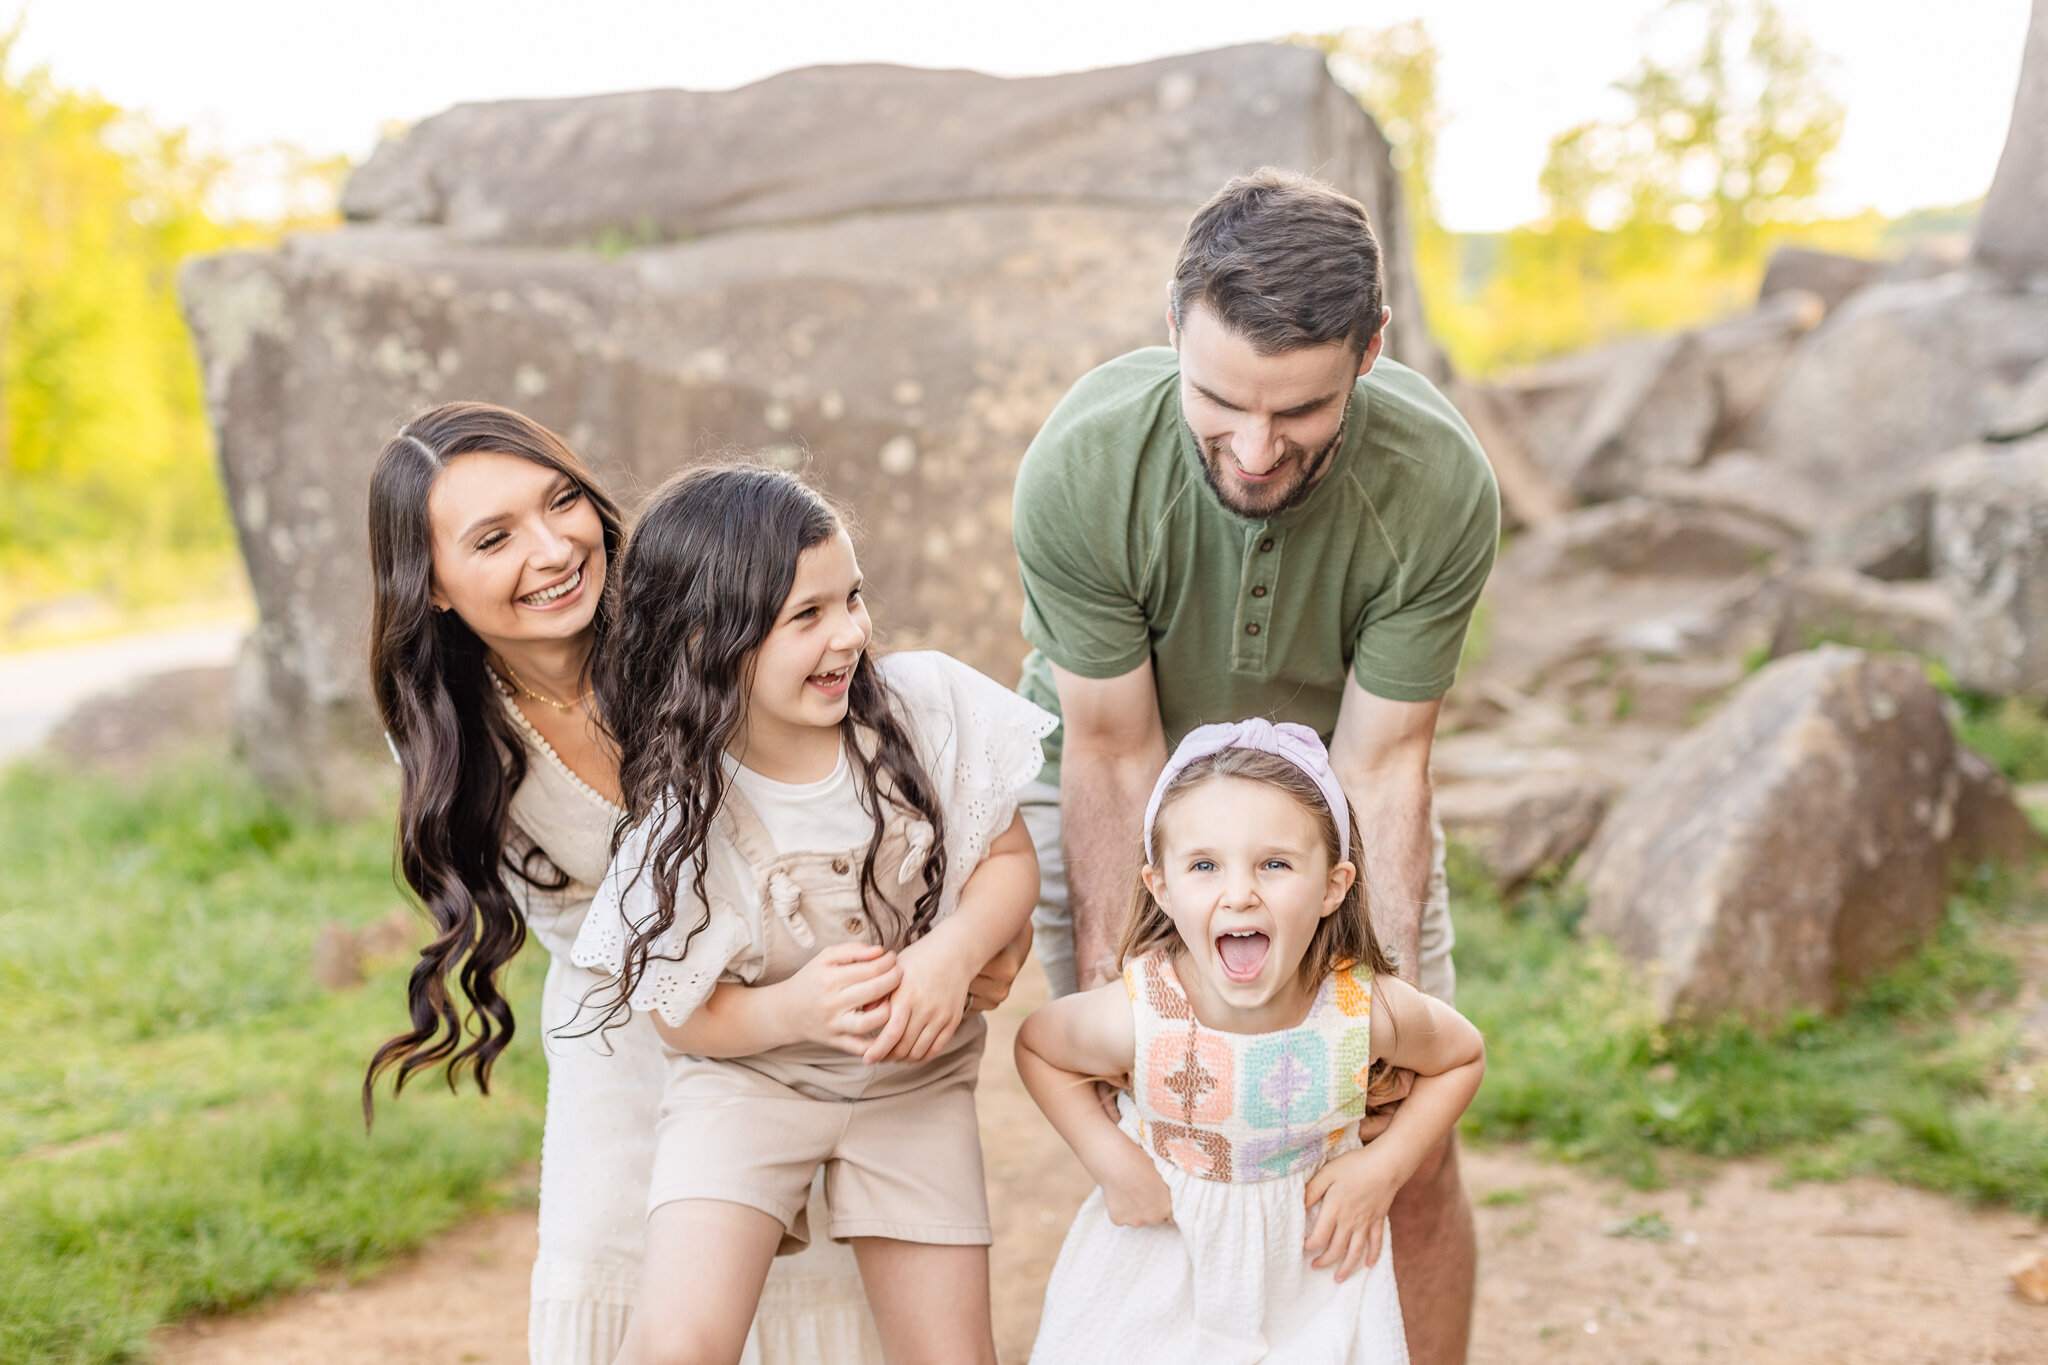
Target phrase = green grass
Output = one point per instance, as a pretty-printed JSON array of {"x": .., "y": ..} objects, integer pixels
[
  {"x": 178, "y": 1112},
  {"x": 1907, "y": 1082}
]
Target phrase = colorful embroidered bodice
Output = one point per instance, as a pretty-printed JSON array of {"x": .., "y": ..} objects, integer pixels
[{"x": 1244, "y": 1107}]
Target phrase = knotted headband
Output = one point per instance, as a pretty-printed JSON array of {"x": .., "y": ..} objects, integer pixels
[{"x": 1296, "y": 743}]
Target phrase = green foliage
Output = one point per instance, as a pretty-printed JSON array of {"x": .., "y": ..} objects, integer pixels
[
  {"x": 107, "y": 481},
  {"x": 2010, "y": 731},
  {"x": 1907, "y": 1082},
  {"x": 181, "y": 1131},
  {"x": 1660, "y": 220}
]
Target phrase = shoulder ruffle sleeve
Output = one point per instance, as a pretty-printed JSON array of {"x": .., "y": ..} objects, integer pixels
[
  {"x": 682, "y": 966},
  {"x": 979, "y": 742}
]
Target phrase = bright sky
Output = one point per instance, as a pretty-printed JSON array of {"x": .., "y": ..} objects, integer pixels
[{"x": 1928, "y": 93}]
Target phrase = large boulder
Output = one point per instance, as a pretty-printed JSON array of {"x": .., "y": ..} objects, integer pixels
[
  {"x": 2009, "y": 239},
  {"x": 1829, "y": 277},
  {"x": 1788, "y": 848},
  {"x": 1898, "y": 375},
  {"x": 1988, "y": 543},
  {"x": 885, "y": 276}
]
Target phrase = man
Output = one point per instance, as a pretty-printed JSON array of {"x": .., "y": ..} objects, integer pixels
[{"x": 1267, "y": 519}]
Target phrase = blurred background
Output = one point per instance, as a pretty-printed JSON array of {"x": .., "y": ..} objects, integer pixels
[{"x": 1747, "y": 764}]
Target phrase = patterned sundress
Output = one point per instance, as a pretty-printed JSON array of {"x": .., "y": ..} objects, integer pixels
[{"x": 1236, "y": 1124}]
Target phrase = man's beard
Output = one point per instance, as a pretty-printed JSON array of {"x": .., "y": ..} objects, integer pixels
[{"x": 1269, "y": 501}]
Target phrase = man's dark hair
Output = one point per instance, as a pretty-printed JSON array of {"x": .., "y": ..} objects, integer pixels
[{"x": 1282, "y": 260}]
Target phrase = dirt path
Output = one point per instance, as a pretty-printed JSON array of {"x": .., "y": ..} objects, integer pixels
[{"x": 1860, "y": 1273}]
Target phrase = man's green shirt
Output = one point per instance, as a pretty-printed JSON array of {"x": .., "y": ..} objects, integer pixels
[{"x": 1126, "y": 555}]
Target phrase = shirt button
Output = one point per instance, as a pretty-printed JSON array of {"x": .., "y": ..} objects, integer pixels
[
  {"x": 1252, "y": 629},
  {"x": 1265, "y": 544},
  {"x": 1259, "y": 591},
  {"x": 854, "y": 924},
  {"x": 841, "y": 866}
]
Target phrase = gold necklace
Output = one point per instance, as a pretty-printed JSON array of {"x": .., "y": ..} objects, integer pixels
[{"x": 561, "y": 707}]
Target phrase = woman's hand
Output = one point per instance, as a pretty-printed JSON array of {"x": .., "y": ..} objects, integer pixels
[
  {"x": 992, "y": 987},
  {"x": 841, "y": 997},
  {"x": 1354, "y": 1192},
  {"x": 929, "y": 1003}
]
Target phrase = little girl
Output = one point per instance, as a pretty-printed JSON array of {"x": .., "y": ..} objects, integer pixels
[
  {"x": 823, "y": 851},
  {"x": 1254, "y": 1003}
]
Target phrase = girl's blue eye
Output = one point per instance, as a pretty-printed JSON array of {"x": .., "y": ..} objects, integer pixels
[
  {"x": 1280, "y": 863},
  {"x": 1202, "y": 865}
]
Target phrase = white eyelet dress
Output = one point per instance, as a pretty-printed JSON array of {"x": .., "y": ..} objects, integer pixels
[
  {"x": 597, "y": 1144},
  {"x": 1236, "y": 1124}
]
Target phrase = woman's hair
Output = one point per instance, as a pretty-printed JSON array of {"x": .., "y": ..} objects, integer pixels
[
  {"x": 460, "y": 755},
  {"x": 1344, "y": 935},
  {"x": 711, "y": 563}
]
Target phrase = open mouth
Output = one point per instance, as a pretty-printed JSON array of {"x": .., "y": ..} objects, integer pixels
[
  {"x": 833, "y": 682},
  {"x": 561, "y": 589},
  {"x": 1243, "y": 953}
]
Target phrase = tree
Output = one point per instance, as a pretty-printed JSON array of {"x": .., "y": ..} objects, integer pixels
[{"x": 1726, "y": 139}]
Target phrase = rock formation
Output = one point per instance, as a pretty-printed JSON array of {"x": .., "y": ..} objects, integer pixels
[
  {"x": 1790, "y": 847},
  {"x": 885, "y": 276}
]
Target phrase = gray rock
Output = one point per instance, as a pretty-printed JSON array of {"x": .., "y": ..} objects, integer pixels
[
  {"x": 1896, "y": 376},
  {"x": 1742, "y": 482},
  {"x": 2009, "y": 238},
  {"x": 1790, "y": 847},
  {"x": 1840, "y": 606},
  {"x": 1828, "y": 276},
  {"x": 1990, "y": 825},
  {"x": 900, "y": 331},
  {"x": 1605, "y": 422},
  {"x": 1524, "y": 825},
  {"x": 1647, "y": 537},
  {"x": 1989, "y": 548},
  {"x": 1529, "y": 496},
  {"x": 2023, "y": 412},
  {"x": 1886, "y": 538}
]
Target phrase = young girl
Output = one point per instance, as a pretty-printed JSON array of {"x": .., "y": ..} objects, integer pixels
[
  {"x": 1255, "y": 1000},
  {"x": 822, "y": 853}
]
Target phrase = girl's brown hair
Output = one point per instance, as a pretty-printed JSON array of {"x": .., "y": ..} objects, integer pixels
[{"x": 1345, "y": 934}]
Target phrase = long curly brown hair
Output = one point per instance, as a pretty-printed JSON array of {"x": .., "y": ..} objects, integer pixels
[
  {"x": 460, "y": 758},
  {"x": 711, "y": 562}
]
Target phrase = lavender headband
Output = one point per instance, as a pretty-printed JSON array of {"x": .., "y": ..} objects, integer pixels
[{"x": 1295, "y": 743}]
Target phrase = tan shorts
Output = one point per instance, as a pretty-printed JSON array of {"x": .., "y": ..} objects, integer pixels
[{"x": 905, "y": 1166}]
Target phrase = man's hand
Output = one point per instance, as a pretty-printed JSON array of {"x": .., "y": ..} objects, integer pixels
[
  {"x": 1132, "y": 1188},
  {"x": 1350, "y": 1197}
]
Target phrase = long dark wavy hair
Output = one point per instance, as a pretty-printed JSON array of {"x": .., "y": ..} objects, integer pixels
[
  {"x": 459, "y": 753},
  {"x": 712, "y": 560},
  {"x": 1345, "y": 934}
]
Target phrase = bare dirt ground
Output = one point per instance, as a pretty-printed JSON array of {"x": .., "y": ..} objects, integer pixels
[{"x": 1573, "y": 1268}]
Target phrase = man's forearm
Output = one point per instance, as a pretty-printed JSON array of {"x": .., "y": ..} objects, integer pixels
[
  {"x": 1102, "y": 803},
  {"x": 1394, "y": 826}
]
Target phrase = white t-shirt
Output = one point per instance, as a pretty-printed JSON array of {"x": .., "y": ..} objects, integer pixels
[
  {"x": 979, "y": 744},
  {"x": 819, "y": 815}
]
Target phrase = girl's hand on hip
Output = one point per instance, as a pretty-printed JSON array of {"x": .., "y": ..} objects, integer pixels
[
  {"x": 926, "y": 1008},
  {"x": 1133, "y": 1191},
  {"x": 841, "y": 997},
  {"x": 1354, "y": 1192}
]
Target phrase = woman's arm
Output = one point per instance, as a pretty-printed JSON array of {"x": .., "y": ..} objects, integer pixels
[
  {"x": 995, "y": 904},
  {"x": 838, "y": 998},
  {"x": 1063, "y": 1048}
]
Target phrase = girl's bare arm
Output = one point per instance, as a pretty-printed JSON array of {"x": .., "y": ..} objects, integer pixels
[{"x": 1062, "y": 1050}]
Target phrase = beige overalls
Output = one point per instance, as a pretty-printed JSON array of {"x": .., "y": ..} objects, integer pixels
[{"x": 898, "y": 1142}]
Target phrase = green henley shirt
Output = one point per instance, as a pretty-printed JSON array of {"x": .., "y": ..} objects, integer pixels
[{"x": 1126, "y": 554}]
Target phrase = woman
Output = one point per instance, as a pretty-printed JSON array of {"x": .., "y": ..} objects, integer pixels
[{"x": 490, "y": 543}]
